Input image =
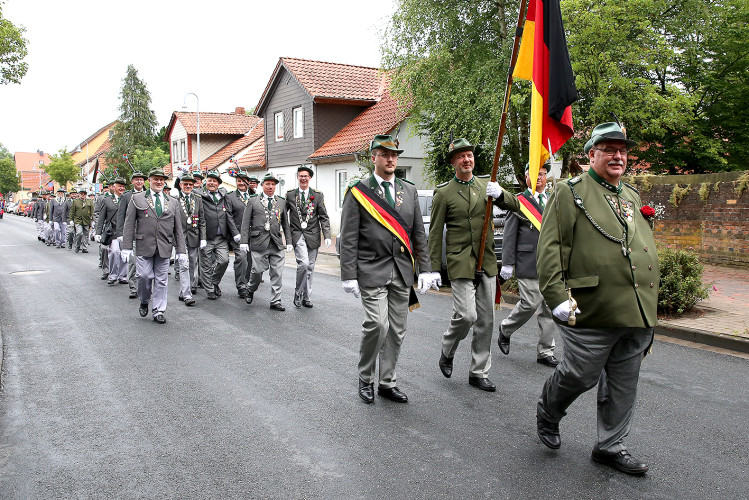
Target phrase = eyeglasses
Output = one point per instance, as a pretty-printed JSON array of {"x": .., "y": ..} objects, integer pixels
[
  {"x": 613, "y": 151},
  {"x": 387, "y": 156}
]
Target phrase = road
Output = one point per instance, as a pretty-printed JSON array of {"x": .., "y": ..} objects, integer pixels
[{"x": 234, "y": 401}]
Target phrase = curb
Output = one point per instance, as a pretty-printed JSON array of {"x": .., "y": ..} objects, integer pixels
[{"x": 721, "y": 340}]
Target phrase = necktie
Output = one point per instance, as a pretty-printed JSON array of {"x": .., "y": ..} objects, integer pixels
[
  {"x": 388, "y": 196},
  {"x": 302, "y": 196},
  {"x": 270, "y": 204},
  {"x": 541, "y": 202},
  {"x": 187, "y": 201},
  {"x": 215, "y": 200},
  {"x": 158, "y": 204}
]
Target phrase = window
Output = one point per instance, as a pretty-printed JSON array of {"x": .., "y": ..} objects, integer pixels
[
  {"x": 175, "y": 152},
  {"x": 342, "y": 181},
  {"x": 298, "y": 122},
  {"x": 183, "y": 156},
  {"x": 400, "y": 173},
  {"x": 279, "y": 126}
]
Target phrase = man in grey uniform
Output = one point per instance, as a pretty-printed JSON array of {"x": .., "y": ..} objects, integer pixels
[
  {"x": 154, "y": 220},
  {"x": 58, "y": 218},
  {"x": 138, "y": 179},
  {"x": 193, "y": 226},
  {"x": 236, "y": 202},
  {"x": 220, "y": 227},
  {"x": 69, "y": 227},
  {"x": 108, "y": 215}
]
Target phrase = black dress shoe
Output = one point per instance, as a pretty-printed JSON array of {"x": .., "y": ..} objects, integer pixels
[
  {"x": 143, "y": 310},
  {"x": 77, "y": 250},
  {"x": 548, "y": 433},
  {"x": 159, "y": 318},
  {"x": 84, "y": 251},
  {"x": 104, "y": 276},
  {"x": 504, "y": 342},
  {"x": 217, "y": 290},
  {"x": 133, "y": 295},
  {"x": 123, "y": 282},
  {"x": 176, "y": 277},
  {"x": 393, "y": 394},
  {"x": 306, "y": 303},
  {"x": 622, "y": 461},
  {"x": 446, "y": 365},
  {"x": 548, "y": 361},
  {"x": 250, "y": 296},
  {"x": 242, "y": 293},
  {"x": 190, "y": 302},
  {"x": 211, "y": 295},
  {"x": 181, "y": 298},
  {"x": 111, "y": 282},
  {"x": 482, "y": 383},
  {"x": 277, "y": 307},
  {"x": 193, "y": 290},
  {"x": 297, "y": 301},
  {"x": 366, "y": 391}
]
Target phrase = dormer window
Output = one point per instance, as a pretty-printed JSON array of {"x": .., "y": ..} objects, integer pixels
[
  {"x": 298, "y": 122},
  {"x": 278, "y": 120}
]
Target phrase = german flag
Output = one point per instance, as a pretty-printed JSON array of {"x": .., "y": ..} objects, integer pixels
[{"x": 543, "y": 59}]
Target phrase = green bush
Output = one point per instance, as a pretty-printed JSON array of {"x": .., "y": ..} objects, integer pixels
[{"x": 681, "y": 280}]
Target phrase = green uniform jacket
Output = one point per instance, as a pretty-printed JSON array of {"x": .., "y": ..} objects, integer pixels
[
  {"x": 82, "y": 212},
  {"x": 609, "y": 250},
  {"x": 461, "y": 207}
]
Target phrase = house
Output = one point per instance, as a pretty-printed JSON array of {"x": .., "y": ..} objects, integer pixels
[
  {"x": 323, "y": 115},
  {"x": 31, "y": 174},
  {"x": 89, "y": 154}
]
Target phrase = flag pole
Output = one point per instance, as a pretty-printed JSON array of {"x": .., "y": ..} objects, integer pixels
[{"x": 502, "y": 129}]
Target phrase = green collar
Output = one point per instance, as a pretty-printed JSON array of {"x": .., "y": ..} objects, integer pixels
[
  {"x": 605, "y": 183},
  {"x": 466, "y": 183}
]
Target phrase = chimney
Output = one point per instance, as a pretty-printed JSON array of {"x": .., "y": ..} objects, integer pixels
[{"x": 239, "y": 111}]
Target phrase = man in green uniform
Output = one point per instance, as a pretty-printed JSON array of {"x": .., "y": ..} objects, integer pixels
[
  {"x": 460, "y": 204},
  {"x": 82, "y": 214},
  {"x": 600, "y": 246}
]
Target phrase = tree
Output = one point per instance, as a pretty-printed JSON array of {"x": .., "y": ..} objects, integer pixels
[
  {"x": 62, "y": 169},
  {"x": 8, "y": 181},
  {"x": 145, "y": 160},
  {"x": 12, "y": 51},
  {"x": 137, "y": 124},
  {"x": 4, "y": 153}
]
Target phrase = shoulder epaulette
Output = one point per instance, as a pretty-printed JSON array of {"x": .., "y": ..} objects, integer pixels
[
  {"x": 406, "y": 180},
  {"x": 630, "y": 186},
  {"x": 253, "y": 195},
  {"x": 354, "y": 182},
  {"x": 483, "y": 176},
  {"x": 575, "y": 180},
  {"x": 280, "y": 197},
  {"x": 442, "y": 185}
]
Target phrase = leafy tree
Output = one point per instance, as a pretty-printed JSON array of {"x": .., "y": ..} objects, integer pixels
[
  {"x": 9, "y": 183},
  {"x": 137, "y": 123},
  {"x": 62, "y": 169},
  {"x": 12, "y": 51},
  {"x": 4, "y": 153},
  {"x": 145, "y": 160},
  {"x": 160, "y": 140}
]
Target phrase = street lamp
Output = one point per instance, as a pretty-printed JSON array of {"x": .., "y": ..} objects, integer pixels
[{"x": 184, "y": 106}]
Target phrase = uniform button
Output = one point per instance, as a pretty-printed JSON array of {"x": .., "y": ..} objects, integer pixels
[
  {"x": 646, "y": 249},
  {"x": 637, "y": 285},
  {"x": 403, "y": 249},
  {"x": 652, "y": 285},
  {"x": 634, "y": 268},
  {"x": 650, "y": 267}
]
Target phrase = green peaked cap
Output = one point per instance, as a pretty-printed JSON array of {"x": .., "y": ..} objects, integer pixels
[{"x": 608, "y": 131}]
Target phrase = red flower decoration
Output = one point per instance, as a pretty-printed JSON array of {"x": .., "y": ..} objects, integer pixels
[
  {"x": 648, "y": 212},
  {"x": 312, "y": 198}
]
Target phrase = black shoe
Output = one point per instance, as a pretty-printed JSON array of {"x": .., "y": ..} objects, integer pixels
[
  {"x": 190, "y": 302},
  {"x": 104, "y": 276},
  {"x": 548, "y": 433},
  {"x": 211, "y": 295},
  {"x": 84, "y": 251},
  {"x": 181, "y": 298},
  {"x": 306, "y": 303},
  {"x": 77, "y": 249},
  {"x": 123, "y": 282},
  {"x": 159, "y": 318},
  {"x": 250, "y": 296},
  {"x": 503, "y": 342},
  {"x": 176, "y": 277},
  {"x": 446, "y": 365},
  {"x": 143, "y": 310},
  {"x": 217, "y": 290},
  {"x": 482, "y": 383},
  {"x": 297, "y": 301},
  {"x": 242, "y": 293},
  {"x": 366, "y": 391},
  {"x": 392, "y": 393},
  {"x": 194, "y": 290},
  {"x": 133, "y": 295},
  {"x": 548, "y": 361},
  {"x": 112, "y": 282},
  {"x": 277, "y": 307},
  {"x": 622, "y": 461}
]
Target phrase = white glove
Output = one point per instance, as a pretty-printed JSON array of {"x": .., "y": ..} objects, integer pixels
[
  {"x": 97, "y": 238},
  {"x": 56, "y": 225},
  {"x": 506, "y": 272},
  {"x": 36, "y": 220},
  {"x": 244, "y": 248},
  {"x": 425, "y": 282},
  {"x": 203, "y": 244},
  {"x": 182, "y": 259},
  {"x": 562, "y": 311},
  {"x": 328, "y": 242},
  {"x": 125, "y": 255},
  {"x": 494, "y": 190},
  {"x": 237, "y": 237},
  {"x": 70, "y": 223},
  {"x": 352, "y": 286},
  {"x": 289, "y": 248},
  {"x": 119, "y": 238},
  {"x": 436, "y": 281}
]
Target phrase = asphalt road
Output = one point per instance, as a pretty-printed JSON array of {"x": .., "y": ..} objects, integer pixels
[{"x": 230, "y": 400}]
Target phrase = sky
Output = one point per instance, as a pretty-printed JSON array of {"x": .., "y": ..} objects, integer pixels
[{"x": 222, "y": 50}]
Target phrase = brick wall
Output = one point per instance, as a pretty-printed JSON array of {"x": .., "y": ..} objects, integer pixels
[{"x": 716, "y": 229}]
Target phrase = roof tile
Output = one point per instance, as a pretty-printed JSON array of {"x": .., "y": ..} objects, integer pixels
[{"x": 217, "y": 123}]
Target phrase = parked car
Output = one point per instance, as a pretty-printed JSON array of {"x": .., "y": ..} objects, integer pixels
[
  {"x": 22, "y": 206},
  {"x": 11, "y": 207},
  {"x": 29, "y": 208}
]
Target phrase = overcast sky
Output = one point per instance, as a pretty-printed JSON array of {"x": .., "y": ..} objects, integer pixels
[{"x": 222, "y": 50}]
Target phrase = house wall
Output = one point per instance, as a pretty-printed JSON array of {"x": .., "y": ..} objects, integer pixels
[
  {"x": 209, "y": 144},
  {"x": 93, "y": 146},
  {"x": 330, "y": 119}
]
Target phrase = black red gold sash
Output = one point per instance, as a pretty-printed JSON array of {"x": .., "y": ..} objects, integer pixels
[{"x": 529, "y": 207}]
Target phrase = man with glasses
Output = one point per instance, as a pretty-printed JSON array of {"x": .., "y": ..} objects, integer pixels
[
  {"x": 220, "y": 228},
  {"x": 519, "y": 246},
  {"x": 599, "y": 244},
  {"x": 236, "y": 202},
  {"x": 138, "y": 180}
]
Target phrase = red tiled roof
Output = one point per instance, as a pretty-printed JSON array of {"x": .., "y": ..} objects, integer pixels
[
  {"x": 93, "y": 136},
  {"x": 31, "y": 180},
  {"x": 29, "y": 162},
  {"x": 354, "y": 137},
  {"x": 225, "y": 153},
  {"x": 214, "y": 123},
  {"x": 255, "y": 155}
]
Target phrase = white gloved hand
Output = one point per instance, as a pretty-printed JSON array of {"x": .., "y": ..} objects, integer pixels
[
  {"x": 425, "y": 282},
  {"x": 70, "y": 223},
  {"x": 36, "y": 220},
  {"x": 56, "y": 225},
  {"x": 97, "y": 238},
  {"x": 436, "y": 281},
  {"x": 506, "y": 272},
  {"x": 494, "y": 190},
  {"x": 237, "y": 237},
  {"x": 289, "y": 248},
  {"x": 125, "y": 255},
  {"x": 352, "y": 286},
  {"x": 203, "y": 244},
  {"x": 182, "y": 259},
  {"x": 328, "y": 242},
  {"x": 562, "y": 311},
  {"x": 244, "y": 247},
  {"x": 119, "y": 238}
]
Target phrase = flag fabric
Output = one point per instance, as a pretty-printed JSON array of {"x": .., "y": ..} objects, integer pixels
[{"x": 543, "y": 59}]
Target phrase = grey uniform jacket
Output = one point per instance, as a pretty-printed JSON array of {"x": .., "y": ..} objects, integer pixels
[
  {"x": 194, "y": 229},
  {"x": 316, "y": 216},
  {"x": 38, "y": 211},
  {"x": 217, "y": 215},
  {"x": 155, "y": 235},
  {"x": 236, "y": 206},
  {"x": 369, "y": 251},
  {"x": 253, "y": 224},
  {"x": 57, "y": 211},
  {"x": 68, "y": 206},
  {"x": 122, "y": 211},
  {"x": 107, "y": 212},
  {"x": 519, "y": 245}
]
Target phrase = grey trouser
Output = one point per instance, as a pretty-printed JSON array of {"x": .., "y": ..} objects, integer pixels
[
  {"x": 104, "y": 258},
  {"x": 214, "y": 259},
  {"x": 49, "y": 233},
  {"x": 132, "y": 272},
  {"x": 40, "y": 228},
  {"x": 242, "y": 267},
  {"x": 305, "y": 266},
  {"x": 81, "y": 236},
  {"x": 271, "y": 260},
  {"x": 117, "y": 268},
  {"x": 531, "y": 301},
  {"x": 69, "y": 234},
  {"x": 383, "y": 330},
  {"x": 612, "y": 358},
  {"x": 472, "y": 307},
  {"x": 157, "y": 269},
  {"x": 59, "y": 233},
  {"x": 189, "y": 273}
]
